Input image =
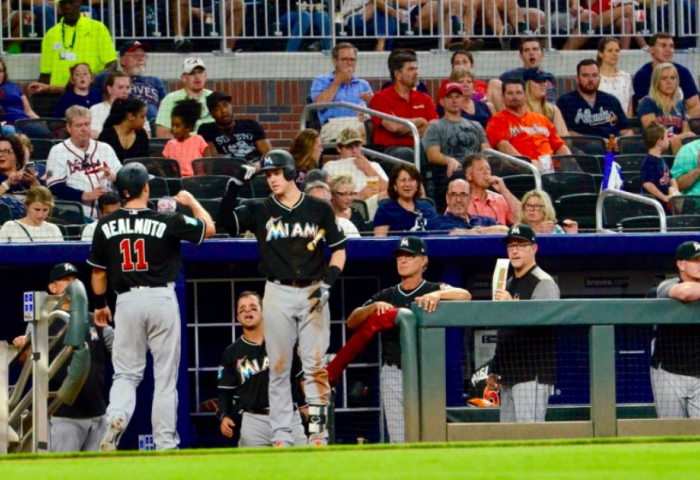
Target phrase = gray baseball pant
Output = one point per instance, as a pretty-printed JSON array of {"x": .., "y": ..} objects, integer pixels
[
  {"x": 524, "y": 402},
  {"x": 676, "y": 396},
  {"x": 147, "y": 319},
  {"x": 288, "y": 319},
  {"x": 77, "y": 434},
  {"x": 391, "y": 389},
  {"x": 256, "y": 431}
]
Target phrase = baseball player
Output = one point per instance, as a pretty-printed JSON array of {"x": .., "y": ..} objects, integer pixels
[
  {"x": 525, "y": 357},
  {"x": 243, "y": 382},
  {"x": 139, "y": 249},
  {"x": 81, "y": 426},
  {"x": 675, "y": 370},
  {"x": 288, "y": 226},
  {"x": 411, "y": 261}
]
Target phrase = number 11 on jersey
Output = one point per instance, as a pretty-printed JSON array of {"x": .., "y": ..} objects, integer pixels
[{"x": 139, "y": 252}]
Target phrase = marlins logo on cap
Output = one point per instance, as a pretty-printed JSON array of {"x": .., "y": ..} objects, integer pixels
[
  {"x": 688, "y": 251},
  {"x": 61, "y": 270}
]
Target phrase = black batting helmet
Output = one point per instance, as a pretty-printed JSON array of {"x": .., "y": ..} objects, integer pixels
[
  {"x": 279, "y": 159},
  {"x": 131, "y": 179}
]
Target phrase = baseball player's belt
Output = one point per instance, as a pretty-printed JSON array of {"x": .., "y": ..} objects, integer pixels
[
  {"x": 257, "y": 411},
  {"x": 294, "y": 282},
  {"x": 144, "y": 287}
]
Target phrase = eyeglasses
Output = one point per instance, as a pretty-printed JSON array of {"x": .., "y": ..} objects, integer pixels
[
  {"x": 461, "y": 196},
  {"x": 532, "y": 207},
  {"x": 6, "y": 152},
  {"x": 346, "y": 194},
  {"x": 518, "y": 246},
  {"x": 348, "y": 60}
]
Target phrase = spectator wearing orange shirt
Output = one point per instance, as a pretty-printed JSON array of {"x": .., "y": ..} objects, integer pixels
[
  {"x": 517, "y": 131},
  {"x": 184, "y": 147}
]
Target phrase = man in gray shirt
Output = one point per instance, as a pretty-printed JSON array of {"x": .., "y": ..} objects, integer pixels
[
  {"x": 525, "y": 357},
  {"x": 448, "y": 141}
]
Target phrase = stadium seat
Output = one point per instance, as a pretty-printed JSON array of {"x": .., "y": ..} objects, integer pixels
[
  {"x": 630, "y": 162},
  {"x": 558, "y": 184},
  {"x": 217, "y": 165},
  {"x": 631, "y": 144},
  {"x": 44, "y": 104},
  {"x": 579, "y": 207},
  {"x": 632, "y": 181},
  {"x": 41, "y": 147},
  {"x": 681, "y": 223},
  {"x": 158, "y": 187},
  {"x": 259, "y": 187},
  {"x": 685, "y": 204},
  {"x": 586, "y": 145},
  {"x": 694, "y": 124},
  {"x": 156, "y": 146},
  {"x": 641, "y": 224},
  {"x": 159, "y": 167},
  {"x": 578, "y": 163},
  {"x": 70, "y": 217},
  {"x": 361, "y": 206},
  {"x": 5, "y": 214},
  {"x": 55, "y": 128},
  {"x": 519, "y": 185},
  {"x": 206, "y": 186},
  {"x": 615, "y": 209}
]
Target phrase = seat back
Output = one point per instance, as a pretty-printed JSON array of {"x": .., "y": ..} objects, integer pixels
[
  {"x": 519, "y": 185},
  {"x": 44, "y": 128},
  {"x": 579, "y": 207},
  {"x": 631, "y": 144},
  {"x": 158, "y": 167},
  {"x": 206, "y": 186},
  {"x": 217, "y": 165},
  {"x": 585, "y": 145},
  {"x": 558, "y": 184}
]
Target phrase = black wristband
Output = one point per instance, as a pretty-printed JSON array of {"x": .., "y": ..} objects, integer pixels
[
  {"x": 332, "y": 275},
  {"x": 100, "y": 301}
]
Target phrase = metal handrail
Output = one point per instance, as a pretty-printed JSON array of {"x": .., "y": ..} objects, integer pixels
[
  {"x": 521, "y": 163},
  {"x": 608, "y": 192},
  {"x": 372, "y": 113}
]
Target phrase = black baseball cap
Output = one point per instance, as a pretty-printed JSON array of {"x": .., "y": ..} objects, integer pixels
[
  {"x": 688, "y": 251},
  {"x": 536, "y": 75},
  {"x": 132, "y": 46},
  {"x": 521, "y": 232},
  {"x": 412, "y": 245},
  {"x": 216, "y": 97},
  {"x": 61, "y": 270}
]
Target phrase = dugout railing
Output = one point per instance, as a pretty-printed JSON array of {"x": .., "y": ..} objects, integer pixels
[
  {"x": 424, "y": 371},
  {"x": 633, "y": 197}
]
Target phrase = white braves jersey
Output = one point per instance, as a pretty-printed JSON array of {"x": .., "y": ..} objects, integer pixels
[{"x": 80, "y": 169}]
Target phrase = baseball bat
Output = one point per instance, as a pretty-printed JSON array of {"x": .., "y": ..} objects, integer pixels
[{"x": 312, "y": 244}]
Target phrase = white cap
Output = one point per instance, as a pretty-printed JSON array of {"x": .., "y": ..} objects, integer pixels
[{"x": 191, "y": 63}]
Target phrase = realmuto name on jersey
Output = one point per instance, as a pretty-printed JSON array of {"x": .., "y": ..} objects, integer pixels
[{"x": 126, "y": 226}]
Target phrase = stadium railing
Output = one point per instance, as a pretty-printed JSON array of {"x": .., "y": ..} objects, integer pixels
[
  {"x": 629, "y": 196},
  {"x": 264, "y": 19},
  {"x": 424, "y": 372}
]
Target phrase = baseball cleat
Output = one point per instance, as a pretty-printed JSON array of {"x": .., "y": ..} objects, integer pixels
[
  {"x": 281, "y": 444},
  {"x": 114, "y": 433}
]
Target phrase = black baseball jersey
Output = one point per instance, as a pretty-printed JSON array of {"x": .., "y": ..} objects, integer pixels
[
  {"x": 526, "y": 353},
  {"x": 284, "y": 233},
  {"x": 391, "y": 345},
  {"x": 141, "y": 247},
  {"x": 677, "y": 347},
  {"x": 238, "y": 141},
  {"x": 244, "y": 376},
  {"x": 90, "y": 402}
]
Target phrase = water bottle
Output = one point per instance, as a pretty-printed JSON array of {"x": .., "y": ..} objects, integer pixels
[{"x": 150, "y": 21}]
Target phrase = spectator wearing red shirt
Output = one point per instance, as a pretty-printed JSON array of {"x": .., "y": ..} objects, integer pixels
[
  {"x": 401, "y": 100},
  {"x": 517, "y": 131}
]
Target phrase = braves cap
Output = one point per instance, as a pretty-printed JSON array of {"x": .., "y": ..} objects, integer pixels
[
  {"x": 132, "y": 46},
  {"x": 412, "y": 245},
  {"x": 688, "y": 251},
  {"x": 536, "y": 75},
  {"x": 216, "y": 97},
  {"x": 61, "y": 270},
  {"x": 521, "y": 232},
  {"x": 191, "y": 63},
  {"x": 350, "y": 135},
  {"x": 448, "y": 88}
]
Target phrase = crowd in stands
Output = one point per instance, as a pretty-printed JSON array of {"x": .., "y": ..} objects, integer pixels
[{"x": 518, "y": 114}]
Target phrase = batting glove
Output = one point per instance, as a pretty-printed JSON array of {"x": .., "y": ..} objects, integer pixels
[
  {"x": 243, "y": 174},
  {"x": 323, "y": 293}
]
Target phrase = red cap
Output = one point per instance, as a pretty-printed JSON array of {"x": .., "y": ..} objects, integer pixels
[{"x": 448, "y": 88}]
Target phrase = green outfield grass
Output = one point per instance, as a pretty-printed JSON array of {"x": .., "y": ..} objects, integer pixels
[{"x": 619, "y": 459}]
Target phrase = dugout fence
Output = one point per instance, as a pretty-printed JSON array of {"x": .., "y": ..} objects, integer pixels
[{"x": 424, "y": 373}]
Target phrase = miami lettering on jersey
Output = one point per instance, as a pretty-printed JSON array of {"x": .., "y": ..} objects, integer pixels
[
  {"x": 247, "y": 368},
  {"x": 516, "y": 130},
  {"x": 126, "y": 226},
  {"x": 277, "y": 229},
  {"x": 601, "y": 118}
]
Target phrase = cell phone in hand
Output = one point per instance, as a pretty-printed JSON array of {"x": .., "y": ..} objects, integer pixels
[{"x": 28, "y": 166}]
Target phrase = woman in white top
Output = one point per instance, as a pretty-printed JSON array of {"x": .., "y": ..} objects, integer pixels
[
  {"x": 614, "y": 81},
  {"x": 33, "y": 227},
  {"x": 117, "y": 85}
]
